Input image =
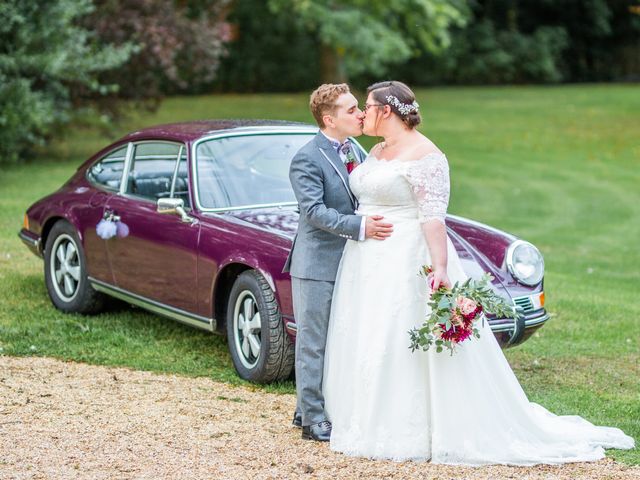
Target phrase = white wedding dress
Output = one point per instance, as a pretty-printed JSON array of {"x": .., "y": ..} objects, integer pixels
[{"x": 385, "y": 401}]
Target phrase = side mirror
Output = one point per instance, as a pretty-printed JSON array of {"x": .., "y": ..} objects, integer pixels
[
  {"x": 170, "y": 205},
  {"x": 174, "y": 206}
]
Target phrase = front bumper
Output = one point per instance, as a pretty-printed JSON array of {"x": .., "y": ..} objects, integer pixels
[
  {"x": 32, "y": 241},
  {"x": 508, "y": 331},
  {"x": 513, "y": 331}
]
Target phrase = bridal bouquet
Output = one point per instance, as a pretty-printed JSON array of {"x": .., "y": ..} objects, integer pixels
[{"x": 454, "y": 313}]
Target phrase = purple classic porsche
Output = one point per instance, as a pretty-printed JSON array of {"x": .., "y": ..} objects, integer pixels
[{"x": 196, "y": 220}]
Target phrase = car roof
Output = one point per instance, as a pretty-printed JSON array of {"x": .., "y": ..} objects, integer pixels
[{"x": 190, "y": 131}]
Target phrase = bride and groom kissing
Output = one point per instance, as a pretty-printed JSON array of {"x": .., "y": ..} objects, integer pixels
[{"x": 365, "y": 228}]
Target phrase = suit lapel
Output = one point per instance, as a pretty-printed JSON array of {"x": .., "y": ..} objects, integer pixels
[
  {"x": 331, "y": 156},
  {"x": 359, "y": 155}
]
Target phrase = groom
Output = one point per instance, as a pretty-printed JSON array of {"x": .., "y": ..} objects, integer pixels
[{"x": 319, "y": 176}]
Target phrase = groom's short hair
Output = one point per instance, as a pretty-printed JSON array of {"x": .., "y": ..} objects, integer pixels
[{"x": 323, "y": 100}]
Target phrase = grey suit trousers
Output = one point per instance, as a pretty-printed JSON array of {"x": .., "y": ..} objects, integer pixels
[{"x": 312, "y": 307}]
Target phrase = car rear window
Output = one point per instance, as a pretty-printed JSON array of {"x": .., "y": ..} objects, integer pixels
[{"x": 108, "y": 171}]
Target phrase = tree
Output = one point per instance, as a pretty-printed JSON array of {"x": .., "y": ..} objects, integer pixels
[
  {"x": 179, "y": 44},
  {"x": 368, "y": 36},
  {"x": 44, "y": 54},
  {"x": 268, "y": 52},
  {"x": 603, "y": 36}
]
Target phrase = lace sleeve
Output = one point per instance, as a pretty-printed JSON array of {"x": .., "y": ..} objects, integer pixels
[{"x": 429, "y": 180}]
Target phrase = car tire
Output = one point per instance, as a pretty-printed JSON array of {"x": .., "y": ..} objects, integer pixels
[
  {"x": 65, "y": 272},
  {"x": 259, "y": 345}
]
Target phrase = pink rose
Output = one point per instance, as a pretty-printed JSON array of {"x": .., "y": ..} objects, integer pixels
[{"x": 466, "y": 305}]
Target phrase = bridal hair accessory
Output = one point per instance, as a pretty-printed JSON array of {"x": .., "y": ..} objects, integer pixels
[
  {"x": 111, "y": 226},
  {"x": 403, "y": 108},
  {"x": 454, "y": 313}
]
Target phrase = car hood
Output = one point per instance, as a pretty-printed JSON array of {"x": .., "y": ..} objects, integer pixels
[
  {"x": 282, "y": 220},
  {"x": 485, "y": 257},
  {"x": 475, "y": 264}
]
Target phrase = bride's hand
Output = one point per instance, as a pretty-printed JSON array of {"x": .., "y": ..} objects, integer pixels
[{"x": 439, "y": 278}]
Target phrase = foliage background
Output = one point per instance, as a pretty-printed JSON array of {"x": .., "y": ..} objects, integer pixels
[
  {"x": 488, "y": 42},
  {"x": 44, "y": 56},
  {"x": 66, "y": 61}
]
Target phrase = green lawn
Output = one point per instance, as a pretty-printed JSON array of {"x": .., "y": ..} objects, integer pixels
[{"x": 558, "y": 166}]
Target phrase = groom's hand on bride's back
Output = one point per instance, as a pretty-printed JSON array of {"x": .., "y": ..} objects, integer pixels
[{"x": 376, "y": 228}]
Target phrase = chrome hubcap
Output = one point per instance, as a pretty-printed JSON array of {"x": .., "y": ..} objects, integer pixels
[
  {"x": 247, "y": 328},
  {"x": 65, "y": 268}
]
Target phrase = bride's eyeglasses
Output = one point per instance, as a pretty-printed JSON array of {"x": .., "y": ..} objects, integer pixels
[{"x": 367, "y": 106}]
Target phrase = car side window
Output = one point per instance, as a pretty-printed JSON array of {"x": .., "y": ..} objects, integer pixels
[
  {"x": 107, "y": 172},
  {"x": 152, "y": 172}
]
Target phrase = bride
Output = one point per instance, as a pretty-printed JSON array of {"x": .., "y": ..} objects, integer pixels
[{"x": 385, "y": 401}]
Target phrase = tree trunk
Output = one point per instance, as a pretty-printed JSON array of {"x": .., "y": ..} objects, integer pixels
[
  {"x": 331, "y": 66},
  {"x": 512, "y": 17}
]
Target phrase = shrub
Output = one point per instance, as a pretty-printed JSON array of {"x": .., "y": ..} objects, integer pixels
[
  {"x": 44, "y": 55},
  {"x": 179, "y": 44}
]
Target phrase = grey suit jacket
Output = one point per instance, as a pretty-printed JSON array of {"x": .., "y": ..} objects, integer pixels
[{"x": 321, "y": 184}]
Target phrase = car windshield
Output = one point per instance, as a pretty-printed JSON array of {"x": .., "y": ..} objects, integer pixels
[{"x": 247, "y": 170}]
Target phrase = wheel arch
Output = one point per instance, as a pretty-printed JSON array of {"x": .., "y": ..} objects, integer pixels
[
  {"x": 47, "y": 226},
  {"x": 221, "y": 290},
  {"x": 67, "y": 216},
  {"x": 229, "y": 271}
]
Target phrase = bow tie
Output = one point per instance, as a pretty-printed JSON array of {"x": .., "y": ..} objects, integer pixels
[{"x": 344, "y": 147}]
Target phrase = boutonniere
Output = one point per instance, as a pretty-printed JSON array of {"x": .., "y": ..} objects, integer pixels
[{"x": 352, "y": 162}]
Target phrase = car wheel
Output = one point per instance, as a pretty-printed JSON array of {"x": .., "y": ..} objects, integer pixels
[
  {"x": 65, "y": 272},
  {"x": 259, "y": 345}
]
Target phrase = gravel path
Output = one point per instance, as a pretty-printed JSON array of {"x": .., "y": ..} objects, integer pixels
[{"x": 62, "y": 420}]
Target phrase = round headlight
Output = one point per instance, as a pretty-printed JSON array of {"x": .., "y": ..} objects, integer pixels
[{"x": 525, "y": 262}]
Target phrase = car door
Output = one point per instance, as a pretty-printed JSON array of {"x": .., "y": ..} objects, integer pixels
[
  {"x": 105, "y": 175},
  {"x": 157, "y": 257}
]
